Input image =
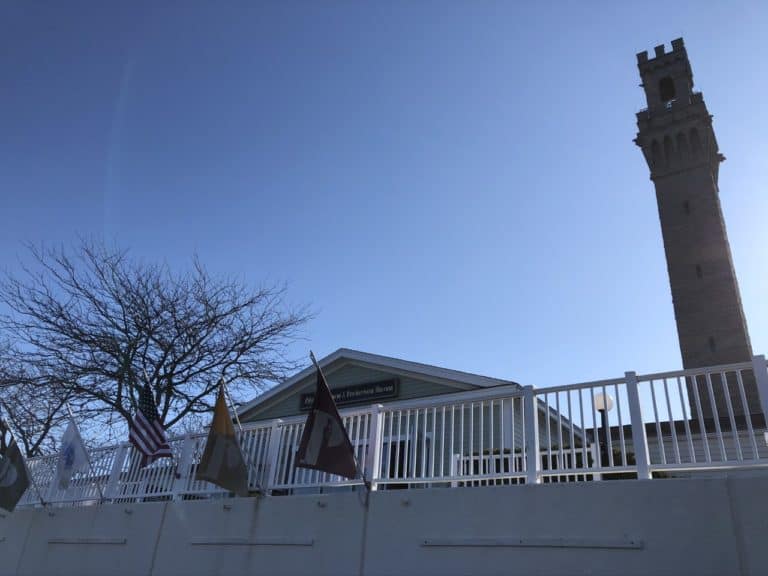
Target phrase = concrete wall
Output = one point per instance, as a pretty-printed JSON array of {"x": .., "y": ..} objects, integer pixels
[{"x": 680, "y": 527}]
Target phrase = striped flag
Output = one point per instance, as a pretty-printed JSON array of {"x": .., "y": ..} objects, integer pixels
[{"x": 146, "y": 432}]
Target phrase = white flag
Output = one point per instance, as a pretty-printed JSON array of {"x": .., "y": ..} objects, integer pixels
[{"x": 72, "y": 457}]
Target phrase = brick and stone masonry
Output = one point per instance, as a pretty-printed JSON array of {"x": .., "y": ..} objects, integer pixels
[{"x": 677, "y": 139}]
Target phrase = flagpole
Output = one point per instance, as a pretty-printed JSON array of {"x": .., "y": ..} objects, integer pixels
[
  {"x": 360, "y": 471},
  {"x": 231, "y": 404},
  {"x": 24, "y": 463},
  {"x": 259, "y": 489},
  {"x": 87, "y": 456}
]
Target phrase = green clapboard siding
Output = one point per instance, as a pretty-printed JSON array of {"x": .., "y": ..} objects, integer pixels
[{"x": 347, "y": 376}]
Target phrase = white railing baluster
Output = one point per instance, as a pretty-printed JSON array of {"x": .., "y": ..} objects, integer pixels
[
  {"x": 424, "y": 445},
  {"x": 112, "y": 489},
  {"x": 442, "y": 445},
  {"x": 700, "y": 414},
  {"x": 622, "y": 443},
  {"x": 375, "y": 445},
  {"x": 571, "y": 430},
  {"x": 433, "y": 443},
  {"x": 398, "y": 469},
  {"x": 716, "y": 417},
  {"x": 183, "y": 468},
  {"x": 560, "y": 447},
  {"x": 731, "y": 416},
  {"x": 686, "y": 420}
]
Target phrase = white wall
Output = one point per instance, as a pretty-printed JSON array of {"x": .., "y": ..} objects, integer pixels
[{"x": 679, "y": 527}]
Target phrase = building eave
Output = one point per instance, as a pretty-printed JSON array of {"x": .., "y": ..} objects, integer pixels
[{"x": 345, "y": 356}]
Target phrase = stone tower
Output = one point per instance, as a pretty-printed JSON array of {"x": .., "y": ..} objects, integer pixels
[{"x": 676, "y": 136}]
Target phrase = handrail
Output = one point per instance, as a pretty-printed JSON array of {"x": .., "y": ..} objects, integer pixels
[{"x": 696, "y": 371}]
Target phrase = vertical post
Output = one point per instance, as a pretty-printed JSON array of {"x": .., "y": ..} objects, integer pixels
[
  {"x": 639, "y": 438},
  {"x": 184, "y": 467},
  {"x": 275, "y": 436},
  {"x": 111, "y": 492},
  {"x": 594, "y": 450},
  {"x": 761, "y": 379},
  {"x": 53, "y": 489},
  {"x": 373, "y": 463},
  {"x": 531, "y": 420}
]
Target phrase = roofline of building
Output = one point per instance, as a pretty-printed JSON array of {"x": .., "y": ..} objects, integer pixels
[{"x": 377, "y": 360}]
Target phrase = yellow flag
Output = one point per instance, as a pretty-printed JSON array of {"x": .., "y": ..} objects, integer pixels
[{"x": 222, "y": 462}]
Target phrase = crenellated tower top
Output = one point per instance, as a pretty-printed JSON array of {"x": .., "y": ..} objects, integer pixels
[{"x": 675, "y": 130}]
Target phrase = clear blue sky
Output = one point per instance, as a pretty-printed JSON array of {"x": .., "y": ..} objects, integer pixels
[{"x": 448, "y": 182}]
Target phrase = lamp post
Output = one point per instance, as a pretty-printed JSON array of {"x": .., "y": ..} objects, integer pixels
[{"x": 604, "y": 404}]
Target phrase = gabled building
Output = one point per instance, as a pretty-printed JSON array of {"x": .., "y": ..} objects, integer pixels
[{"x": 360, "y": 379}]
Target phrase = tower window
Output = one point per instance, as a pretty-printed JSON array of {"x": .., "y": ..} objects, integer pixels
[
  {"x": 687, "y": 207},
  {"x": 699, "y": 272},
  {"x": 712, "y": 346},
  {"x": 666, "y": 89}
]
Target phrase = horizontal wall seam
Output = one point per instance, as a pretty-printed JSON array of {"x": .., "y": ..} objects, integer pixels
[
  {"x": 112, "y": 541},
  {"x": 594, "y": 543},
  {"x": 255, "y": 542}
]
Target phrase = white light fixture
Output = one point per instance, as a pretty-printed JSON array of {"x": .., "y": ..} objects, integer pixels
[{"x": 603, "y": 402}]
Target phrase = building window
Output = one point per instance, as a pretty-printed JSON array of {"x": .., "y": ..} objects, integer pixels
[
  {"x": 712, "y": 346},
  {"x": 666, "y": 89},
  {"x": 699, "y": 272},
  {"x": 687, "y": 207}
]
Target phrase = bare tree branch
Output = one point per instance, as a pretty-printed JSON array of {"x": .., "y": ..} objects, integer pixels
[{"x": 89, "y": 323}]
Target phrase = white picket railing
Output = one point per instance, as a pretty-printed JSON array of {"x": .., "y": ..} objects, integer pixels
[{"x": 688, "y": 421}]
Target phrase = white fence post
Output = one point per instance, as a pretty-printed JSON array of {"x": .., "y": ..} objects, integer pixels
[
  {"x": 531, "y": 420},
  {"x": 639, "y": 437},
  {"x": 184, "y": 467},
  {"x": 373, "y": 463},
  {"x": 761, "y": 379},
  {"x": 110, "y": 491},
  {"x": 275, "y": 436}
]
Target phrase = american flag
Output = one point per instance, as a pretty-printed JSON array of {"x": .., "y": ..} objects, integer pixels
[{"x": 146, "y": 432}]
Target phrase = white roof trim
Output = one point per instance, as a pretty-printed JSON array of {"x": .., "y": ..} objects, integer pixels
[{"x": 435, "y": 372}]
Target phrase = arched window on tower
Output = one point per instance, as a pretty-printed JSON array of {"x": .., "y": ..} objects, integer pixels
[
  {"x": 655, "y": 153},
  {"x": 695, "y": 141},
  {"x": 668, "y": 150},
  {"x": 682, "y": 145},
  {"x": 666, "y": 89}
]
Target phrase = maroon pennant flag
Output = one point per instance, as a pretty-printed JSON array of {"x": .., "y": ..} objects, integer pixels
[{"x": 325, "y": 444}]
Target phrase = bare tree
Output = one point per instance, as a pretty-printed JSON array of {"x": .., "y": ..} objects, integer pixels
[
  {"x": 94, "y": 325},
  {"x": 30, "y": 410}
]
